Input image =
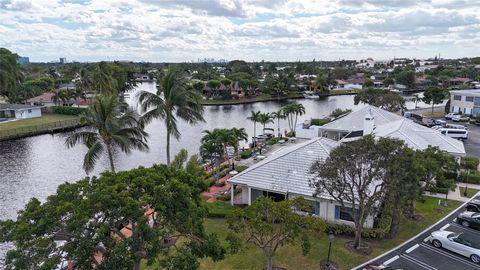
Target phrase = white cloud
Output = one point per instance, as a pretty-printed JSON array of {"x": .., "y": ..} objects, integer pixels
[{"x": 250, "y": 29}]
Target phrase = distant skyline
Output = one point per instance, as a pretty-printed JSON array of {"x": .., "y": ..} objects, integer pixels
[{"x": 252, "y": 30}]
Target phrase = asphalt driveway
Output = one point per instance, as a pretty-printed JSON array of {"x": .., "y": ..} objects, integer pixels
[{"x": 418, "y": 253}]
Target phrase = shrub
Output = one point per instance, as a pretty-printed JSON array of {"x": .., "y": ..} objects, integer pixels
[
  {"x": 241, "y": 168},
  {"x": 473, "y": 177},
  {"x": 320, "y": 121},
  {"x": 290, "y": 134},
  {"x": 342, "y": 229},
  {"x": 337, "y": 112},
  {"x": 273, "y": 141},
  {"x": 246, "y": 154},
  {"x": 68, "y": 110}
]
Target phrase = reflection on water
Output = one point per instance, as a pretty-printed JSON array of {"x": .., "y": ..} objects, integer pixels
[{"x": 35, "y": 166}]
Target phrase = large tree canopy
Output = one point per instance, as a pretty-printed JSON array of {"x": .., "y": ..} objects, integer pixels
[
  {"x": 384, "y": 99},
  {"x": 111, "y": 215}
]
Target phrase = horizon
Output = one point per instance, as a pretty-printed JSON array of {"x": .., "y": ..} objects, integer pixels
[{"x": 252, "y": 30}]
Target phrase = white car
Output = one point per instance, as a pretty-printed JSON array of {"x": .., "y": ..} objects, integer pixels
[
  {"x": 456, "y": 243},
  {"x": 450, "y": 115},
  {"x": 460, "y": 118}
]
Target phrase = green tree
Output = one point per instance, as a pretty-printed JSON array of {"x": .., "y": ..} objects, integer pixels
[
  {"x": 384, "y": 99},
  {"x": 339, "y": 112},
  {"x": 174, "y": 99},
  {"x": 279, "y": 115},
  {"x": 406, "y": 77},
  {"x": 264, "y": 119},
  {"x": 108, "y": 127},
  {"x": 434, "y": 95},
  {"x": 388, "y": 81},
  {"x": 468, "y": 163},
  {"x": 291, "y": 112},
  {"x": 221, "y": 136},
  {"x": 10, "y": 74},
  {"x": 102, "y": 79},
  {"x": 368, "y": 83},
  {"x": 344, "y": 177},
  {"x": 270, "y": 225},
  {"x": 254, "y": 117},
  {"x": 93, "y": 214}
]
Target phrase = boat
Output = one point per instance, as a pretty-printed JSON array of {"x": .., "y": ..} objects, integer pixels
[{"x": 310, "y": 95}]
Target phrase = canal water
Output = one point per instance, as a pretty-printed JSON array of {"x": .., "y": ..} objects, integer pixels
[{"x": 35, "y": 166}]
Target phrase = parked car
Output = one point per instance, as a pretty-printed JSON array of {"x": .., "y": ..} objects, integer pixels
[
  {"x": 460, "y": 118},
  {"x": 473, "y": 206},
  {"x": 455, "y": 133},
  {"x": 456, "y": 243},
  {"x": 456, "y": 126},
  {"x": 449, "y": 116},
  {"x": 439, "y": 122},
  {"x": 469, "y": 219}
]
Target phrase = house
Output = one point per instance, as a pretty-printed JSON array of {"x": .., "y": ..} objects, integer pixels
[
  {"x": 19, "y": 111},
  {"x": 349, "y": 84},
  {"x": 384, "y": 124},
  {"x": 465, "y": 101},
  {"x": 286, "y": 174},
  {"x": 459, "y": 81},
  {"x": 421, "y": 69},
  {"x": 45, "y": 99}
]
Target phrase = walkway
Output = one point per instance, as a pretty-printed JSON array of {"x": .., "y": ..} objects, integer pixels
[
  {"x": 454, "y": 195},
  {"x": 214, "y": 191}
]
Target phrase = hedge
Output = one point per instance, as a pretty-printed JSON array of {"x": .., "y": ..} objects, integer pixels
[
  {"x": 246, "y": 154},
  {"x": 473, "y": 178},
  {"x": 68, "y": 110},
  {"x": 320, "y": 121}
]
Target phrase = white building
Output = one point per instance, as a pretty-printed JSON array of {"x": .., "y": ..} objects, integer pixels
[
  {"x": 465, "y": 101},
  {"x": 382, "y": 123},
  {"x": 286, "y": 174},
  {"x": 19, "y": 111}
]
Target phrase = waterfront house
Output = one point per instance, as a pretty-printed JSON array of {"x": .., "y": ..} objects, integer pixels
[
  {"x": 286, "y": 174},
  {"x": 45, "y": 99},
  {"x": 19, "y": 111},
  {"x": 382, "y": 123}
]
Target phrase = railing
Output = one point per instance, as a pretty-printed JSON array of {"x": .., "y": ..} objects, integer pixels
[{"x": 50, "y": 127}]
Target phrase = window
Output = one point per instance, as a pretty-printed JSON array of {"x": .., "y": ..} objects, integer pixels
[
  {"x": 456, "y": 97},
  {"x": 29, "y": 111},
  {"x": 343, "y": 213},
  {"x": 313, "y": 208},
  {"x": 469, "y": 99},
  {"x": 456, "y": 132}
]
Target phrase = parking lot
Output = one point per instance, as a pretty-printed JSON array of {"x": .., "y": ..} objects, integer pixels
[{"x": 419, "y": 253}]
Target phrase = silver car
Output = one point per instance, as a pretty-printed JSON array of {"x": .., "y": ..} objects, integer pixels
[{"x": 456, "y": 243}]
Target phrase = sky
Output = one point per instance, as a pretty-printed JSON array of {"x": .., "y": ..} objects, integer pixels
[{"x": 252, "y": 30}]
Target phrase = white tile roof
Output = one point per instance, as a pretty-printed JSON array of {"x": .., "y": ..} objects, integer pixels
[
  {"x": 419, "y": 137},
  {"x": 288, "y": 169},
  {"x": 354, "y": 120}
]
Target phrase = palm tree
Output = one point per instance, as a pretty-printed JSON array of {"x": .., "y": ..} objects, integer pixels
[
  {"x": 224, "y": 137},
  {"x": 174, "y": 99},
  {"x": 278, "y": 115},
  {"x": 241, "y": 135},
  {"x": 292, "y": 111},
  {"x": 264, "y": 119},
  {"x": 254, "y": 117},
  {"x": 108, "y": 128},
  {"x": 102, "y": 79}
]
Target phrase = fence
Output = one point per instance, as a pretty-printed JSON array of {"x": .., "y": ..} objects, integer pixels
[{"x": 51, "y": 127}]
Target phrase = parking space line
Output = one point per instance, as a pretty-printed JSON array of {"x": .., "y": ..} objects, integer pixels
[
  {"x": 451, "y": 256},
  {"x": 412, "y": 248},
  {"x": 418, "y": 262},
  {"x": 466, "y": 228},
  {"x": 389, "y": 261},
  {"x": 444, "y": 227}
]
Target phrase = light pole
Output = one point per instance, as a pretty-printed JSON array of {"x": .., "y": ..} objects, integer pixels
[{"x": 331, "y": 237}]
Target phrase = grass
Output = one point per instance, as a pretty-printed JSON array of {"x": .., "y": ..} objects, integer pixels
[
  {"x": 47, "y": 120},
  {"x": 470, "y": 192},
  {"x": 434, "y": 114},
  {"x": 290, "y": 256}
]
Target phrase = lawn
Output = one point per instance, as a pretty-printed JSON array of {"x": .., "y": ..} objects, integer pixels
[
  {"x": 470, "y": 192},
  {"x": 291, "y": 257},
  {"x": 27, "y": 125}
]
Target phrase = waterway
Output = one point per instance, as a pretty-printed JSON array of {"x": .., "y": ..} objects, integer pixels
[{"x": 35, "y": 166}]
